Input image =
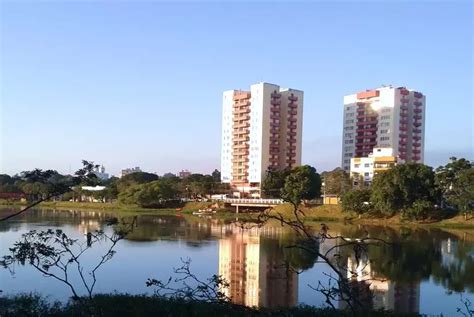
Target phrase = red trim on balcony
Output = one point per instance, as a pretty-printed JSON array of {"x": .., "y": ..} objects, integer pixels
[
  {"x": 418, "y": 94},
  {"x": 417, "y": 110},
  {"x": 417, "y": 103},
  {"x": 404, "y": 92}
]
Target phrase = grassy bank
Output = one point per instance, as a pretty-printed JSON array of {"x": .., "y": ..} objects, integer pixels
[
  {"x": 312, "y": 214},
  {"x": 334, "y": 213},
  {"x": 116, "y": 305}
]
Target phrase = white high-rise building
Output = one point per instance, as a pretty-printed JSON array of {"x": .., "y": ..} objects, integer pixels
[
  {"x": 385, "y": 117},
  {"x": 261, "y": 130}
]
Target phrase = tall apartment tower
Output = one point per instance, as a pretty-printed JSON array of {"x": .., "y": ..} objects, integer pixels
[
  {"x": 385, "y": 117},
  {"x": 261, "y": 130}
]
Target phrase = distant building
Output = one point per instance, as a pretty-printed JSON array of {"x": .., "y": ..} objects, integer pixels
[
  {"x": 130, "y": 171},
  {"x": 261, "y": 130},
  {"x": 364, "y": 168},
  {"x": 384, "y": 117},
  {"x": 184, "y": 174},
  {"x": 100, "y": 173}
]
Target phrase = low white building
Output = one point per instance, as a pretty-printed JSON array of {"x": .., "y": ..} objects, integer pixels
[{"x": 365, "y": 168}]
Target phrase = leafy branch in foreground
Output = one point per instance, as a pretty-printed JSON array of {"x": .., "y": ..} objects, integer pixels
[
  {"x": 54, "y": 254},
  {"x": 187, "y": 286},
  {"x": 55, "y": 186}
]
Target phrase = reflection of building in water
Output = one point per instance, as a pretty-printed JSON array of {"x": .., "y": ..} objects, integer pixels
[
  {"x": 253, "y": 266},
  {"x": 88, "y": 225},
  {"x": 378, "y": 292}
]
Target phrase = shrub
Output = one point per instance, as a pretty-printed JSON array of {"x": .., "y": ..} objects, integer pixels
[
  {"x": 419, "y": 210},
  {"x": 357, "y": 200}
]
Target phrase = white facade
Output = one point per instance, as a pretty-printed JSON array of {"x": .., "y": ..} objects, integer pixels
[
  {"x": 366, "y": 167},
  {"x": 384, "y": 117},
  {"x": 261, "y": 129}
]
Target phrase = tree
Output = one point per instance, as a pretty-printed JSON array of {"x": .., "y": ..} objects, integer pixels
[
  {"x": 273, "y": 182},
  {"x": 301, "y": 184},
  {"x": 400, "y": 187},
  {"x": 456, "y": 182},
  {"x": 336, "y": 182},
  {"x": 149, "y": 195},
  {"x": 462, "y": 194},
  {"x": 216, "y": 175},
  {"x": 356, "y": 200},
  {"x": 134, "y": 179}
]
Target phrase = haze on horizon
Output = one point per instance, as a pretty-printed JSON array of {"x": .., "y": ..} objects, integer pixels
[{"x": 140, "y": 84}]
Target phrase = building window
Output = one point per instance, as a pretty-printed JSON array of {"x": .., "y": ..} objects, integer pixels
[
  {"x": 356, "y": 165},
  {"x": 348, "y": 141},
  {"x": 385, "y": 118},
  {"x": 385, "y": 131},
  {"x": 384, "y": 138},
  {"x": 350, "y": 121},
  {"x": 366, "y": 165},
  {"x": 366, "y": 174}
]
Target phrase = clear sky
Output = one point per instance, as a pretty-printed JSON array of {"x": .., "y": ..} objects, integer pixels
[{"x": 140, "y": 83}]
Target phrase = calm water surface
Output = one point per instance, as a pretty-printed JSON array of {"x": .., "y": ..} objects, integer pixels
[{"x": 426, "y": 273}]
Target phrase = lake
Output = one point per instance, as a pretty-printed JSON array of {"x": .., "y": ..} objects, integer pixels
[{"x": 426, "y": 271}]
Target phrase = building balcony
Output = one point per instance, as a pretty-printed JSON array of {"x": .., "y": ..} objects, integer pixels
[
  {"x": 367, "y": 122},
  {"x": 402, "y": 136},
  {"x": 361, "y": 105},
  {"x": 418, "y": 110},
  {"x": 274, "y": 152},
  {"x": 274, "y": 117},
  {"x": 274, "y": 139},
  {"x": 291, "y": 155},
  {"x": 292, "y": 105},
  {"x": 275, "y": 95},
  {"x": 366, "y": 136},
  {"x": 291, "y": 141},
  {"x": 418, "y": 94},
  {"x": 292, "y": 112},
  {"x": 404, "y": 101},
  {"x": 417, "y": 117},
  {"x": 275, "y": 102},
  {"x": 417, "y": 138},
  {"x": 404, "y": 121},
  {"x": 416, "y": 151},
  {"x": 241, "y": 110},
  {"x": 366, "y": 143},
  {"x": 291, "y": 133},
  {"x": 371, "y": 129},
  {"x": 368, "y": 116},
  {"x": 290, "y": 161},
  {"x": 417, "y": 124},
  {"x": 403, "y": 128},
  {"x": 292, "y": 98},
  {"x": 292, "y": 126},
  {"x": 416, "y": 158},
  {"x": 240, "y": 138},
  {"x": 274, "y": 131},
  {"x": 292, "y": 119},
  {"x": 274, "y": 124},
  {"x": 416, "y": 144},
  {"x": 416, "y": 131},
  {"x": 404, "y": 92},
  {"x": 241, "y": 118},
  {"x": 418, "y": 103},
  {"x": 292, "y": 147}
]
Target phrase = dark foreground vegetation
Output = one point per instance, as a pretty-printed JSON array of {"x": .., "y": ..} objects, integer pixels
[{"x": 116, "y": 305}]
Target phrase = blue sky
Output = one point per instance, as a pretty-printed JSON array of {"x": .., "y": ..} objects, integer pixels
[{"x": 140, "y": 84}]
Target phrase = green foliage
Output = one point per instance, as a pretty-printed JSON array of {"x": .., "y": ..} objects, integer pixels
[
  {"x": 273, "y": 182},
  {"x": 134, "y": 179},
  {"x": 336, "y": 182},
  {"x": 456, "y": 182},
  {"x": 125, "y": 305},
  {"x": 419, "y": 210},
  {"x": 400, "y": 187},
  {"x": 302, "y": 183},
  {"x": 149, "y": 195},
  {"x": 357, "y": 200}
]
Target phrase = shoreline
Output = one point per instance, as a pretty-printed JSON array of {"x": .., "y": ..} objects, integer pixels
[{"x": 314, "y": 214}]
